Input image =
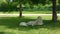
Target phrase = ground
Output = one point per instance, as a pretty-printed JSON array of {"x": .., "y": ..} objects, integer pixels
[
  {"x": 28, "y": 12},
  {"x": 9, "y": 25}
]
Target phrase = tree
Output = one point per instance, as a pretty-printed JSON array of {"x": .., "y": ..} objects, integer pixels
[
  {"x": 20, "y": 9},
  {"x": 20, "y": 2},
  {"x": 20, "y": 5},
  {"x": 36, "y": 2},
  {"x": 31, "y": 3},
  {"x": 54, "y": 14}
]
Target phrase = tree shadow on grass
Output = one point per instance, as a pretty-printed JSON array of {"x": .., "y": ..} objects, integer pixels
[
  {"x": 6, "y": 33},
  {"x": 13, "y": 23},
  {"x": 47, "y": 24},
  {"x": 2, "y": 32},
  {"x": 10, "y": 22}
]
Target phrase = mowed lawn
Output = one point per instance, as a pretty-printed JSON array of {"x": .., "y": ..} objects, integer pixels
[
  {"x": 10, "y": 25},
  {"x": 28, "y": 12}
]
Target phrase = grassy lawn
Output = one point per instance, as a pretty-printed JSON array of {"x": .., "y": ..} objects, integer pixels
[
  {"x": 9, "y": 25},
  {"x": 28, "y": 12}
]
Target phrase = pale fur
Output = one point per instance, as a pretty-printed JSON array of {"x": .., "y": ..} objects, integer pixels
[
  {"x": 23, "y": 24},
  {"x": 38, "y": 21}
]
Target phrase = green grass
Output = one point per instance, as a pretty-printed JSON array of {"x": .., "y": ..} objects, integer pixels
[
  {"x": 28, "y": 12},
  {"x": 37, "y": 12},
  {"x": 10, "y": 25}
]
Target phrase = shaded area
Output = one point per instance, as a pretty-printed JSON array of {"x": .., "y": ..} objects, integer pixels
[
  {"x": 2, "y": 32},
  {"x": 13, "y": 22},
  {"x": 10, "y": 22},
  {"x": 6, "y": 33},
  {"x": 47, "y": 24}
]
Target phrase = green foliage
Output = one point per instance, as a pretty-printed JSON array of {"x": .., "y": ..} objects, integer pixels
[
  {"x": 3, "y": 6},
  {"x": 59, "y": 2},
  {"x": 7, "y": 5}
]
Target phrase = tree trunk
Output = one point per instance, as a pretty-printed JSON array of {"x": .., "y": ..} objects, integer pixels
[
  {"x": 54, "y": 14},
  {"x": 20, "y": 15}
]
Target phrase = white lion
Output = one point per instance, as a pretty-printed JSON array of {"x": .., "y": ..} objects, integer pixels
[
  {"x": 23, "y": 24},
  {"x": 31, "y": 23},
  {"x": 39, "y": 21},
  {"x": 36, "y": 22}
]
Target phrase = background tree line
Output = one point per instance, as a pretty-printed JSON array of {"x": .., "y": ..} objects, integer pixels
[
  {"x": 20, "y": 4},
  {"x": 28, "y": 5}
]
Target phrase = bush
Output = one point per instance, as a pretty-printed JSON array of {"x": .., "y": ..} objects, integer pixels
[{"x": 8, "y": 6}]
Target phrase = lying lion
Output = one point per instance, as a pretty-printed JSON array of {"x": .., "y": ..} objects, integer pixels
[{"x": 38, "y": 21}]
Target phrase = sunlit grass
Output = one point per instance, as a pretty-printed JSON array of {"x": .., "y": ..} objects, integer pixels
[{"x": 28, "y": 12}]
